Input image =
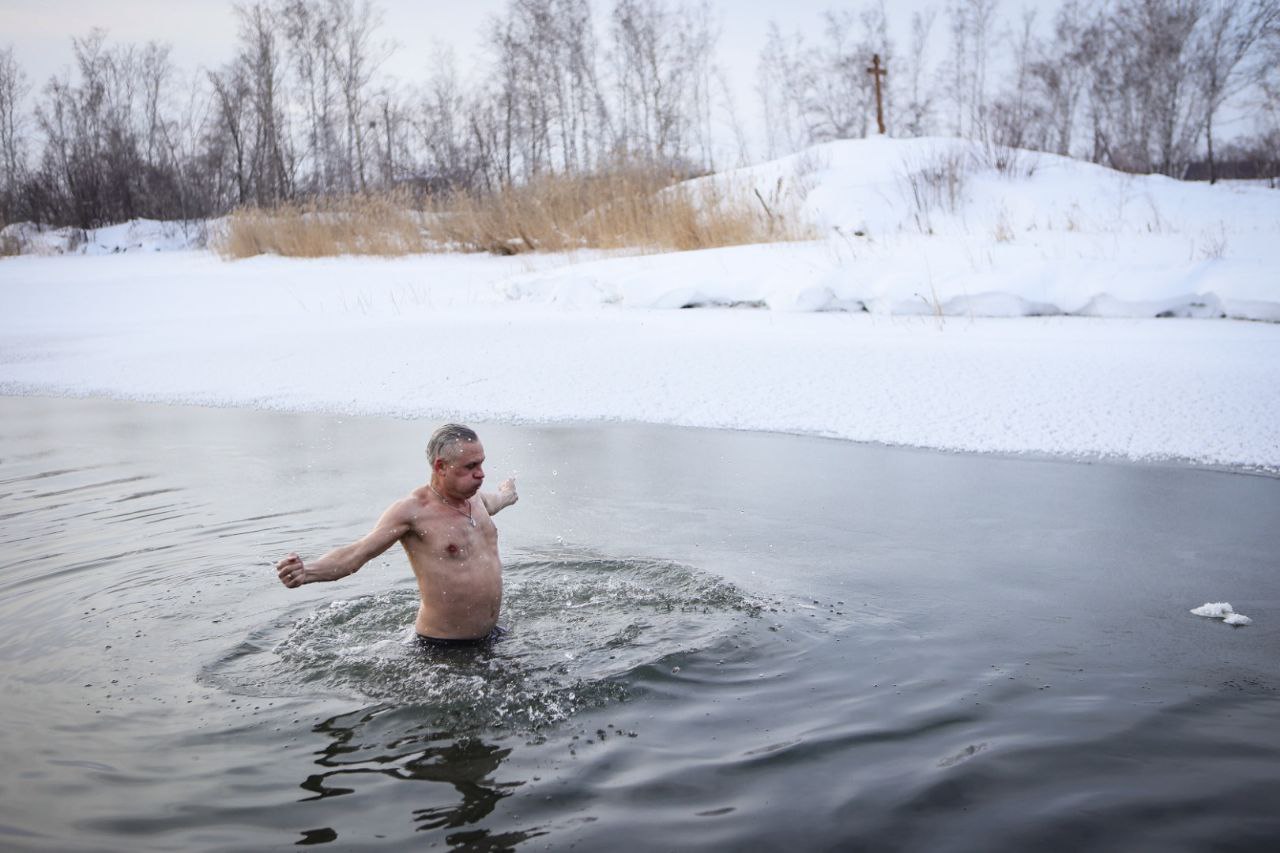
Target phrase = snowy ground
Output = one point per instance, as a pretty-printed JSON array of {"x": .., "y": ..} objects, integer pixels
[{"x": 1022, "y": 320}]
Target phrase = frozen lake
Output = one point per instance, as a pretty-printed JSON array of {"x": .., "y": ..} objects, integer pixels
[{"x": 720, "y": 640}]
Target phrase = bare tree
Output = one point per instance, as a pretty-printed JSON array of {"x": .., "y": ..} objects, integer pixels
[
  {"x": 842, "y": 101},
  {"x": 588, "y": 102},
  {"x": 154, "y": 71},
  {"x": 391, "y": 137},
  {"x": 981, "y": 14},
  {"x": 165, "y": 175},
  {"x": 1145, "y": 108},
  {"x": 1013, "y": 114},
  {"x": 92, "y": 170},
  {"x": 308, "y": 33},
  {"x": 442, "y": 128},
  {"x": 970, "y": 23},
  {"x": 958, "y": 71},
  {"x": 1266, "y": 137},
  {"x": 824, "y": 93},
  {"x": 918, "y": 109},
  {"x": 262, "y": 66},
  {"x": 729, "y": 108},
  {"x": 355, "y": 57},
  {"x": 1225, "y": 42},
  {"x": 698, "y": 36},
  {"x": 1059, "y": 75},
  {"x": 662, "y": 63},
  {"x": 229, "y": 149},
  {"x": 13, "y": 152},
  {"x": 1267, "y": 102},
  {"x": 548, "y": 86},
  {"x": 510, "y": 127},
  {"x": 781, "y": 83},
  {"x": 182, "y": 135}
]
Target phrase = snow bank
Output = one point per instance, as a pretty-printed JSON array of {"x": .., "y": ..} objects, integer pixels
[
  {"x": 139, "y": 235},
  {"x": 1048, "y": 236},
  {"x": 440, "y": 336},
  {"x": 921, "y": 227}
]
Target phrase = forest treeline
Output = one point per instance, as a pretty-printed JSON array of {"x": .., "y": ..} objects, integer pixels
[{"x": 302, "y": 110}]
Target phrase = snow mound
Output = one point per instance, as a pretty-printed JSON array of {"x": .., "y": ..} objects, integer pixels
[
  {"x": 1222, "y": 610},
  {"x": 137, "y": 235},
  {"x": 911, "y": 227}
]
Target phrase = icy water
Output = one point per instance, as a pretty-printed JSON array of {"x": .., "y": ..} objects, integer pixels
[{"x": 718, "y": 641}]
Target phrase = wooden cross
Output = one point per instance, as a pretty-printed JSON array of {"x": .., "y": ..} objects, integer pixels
[{"x": 877, "y": 72}]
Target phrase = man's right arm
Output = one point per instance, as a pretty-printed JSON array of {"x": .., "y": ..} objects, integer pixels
[{"x": 348, "y": 559}]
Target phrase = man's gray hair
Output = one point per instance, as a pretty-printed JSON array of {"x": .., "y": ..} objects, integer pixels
[{"x": 448, "y": 435}]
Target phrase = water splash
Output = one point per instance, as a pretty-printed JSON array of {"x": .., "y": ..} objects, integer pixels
[{"x": 577, "y": 626}]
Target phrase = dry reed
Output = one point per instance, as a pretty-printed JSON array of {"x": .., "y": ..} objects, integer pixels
[
  {"x": 622, "y": 209},
  {"x": 11, "y": 242},
  {"x": 355, "y": 225}
]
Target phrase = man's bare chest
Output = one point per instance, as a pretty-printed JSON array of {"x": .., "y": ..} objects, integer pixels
[{"x": 445, "y": 538}]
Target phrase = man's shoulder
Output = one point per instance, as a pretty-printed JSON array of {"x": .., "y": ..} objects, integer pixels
[{"x": 406, "y": 509}]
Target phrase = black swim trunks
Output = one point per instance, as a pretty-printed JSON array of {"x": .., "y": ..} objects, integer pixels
[{"x": 493, "y": 636}]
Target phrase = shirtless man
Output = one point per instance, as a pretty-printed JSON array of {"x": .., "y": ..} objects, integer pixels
[{"x": 449, "y": 537}]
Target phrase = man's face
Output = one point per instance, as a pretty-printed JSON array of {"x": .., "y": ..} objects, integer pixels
[{"x": 462, "y": 467}]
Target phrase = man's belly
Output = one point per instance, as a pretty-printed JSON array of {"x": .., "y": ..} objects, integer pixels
[{"x": 459, "y": 604}]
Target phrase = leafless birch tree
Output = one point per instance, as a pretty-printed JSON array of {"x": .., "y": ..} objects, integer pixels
[
  {"x": 13, "y": 142},
  {"x": 1224, "y": 44}
]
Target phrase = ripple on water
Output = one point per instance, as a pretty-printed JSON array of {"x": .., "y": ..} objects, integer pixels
[{"x": 578, "y": 626}]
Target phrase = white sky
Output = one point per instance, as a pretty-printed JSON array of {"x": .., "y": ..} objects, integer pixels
[{"x": 203, "y": 32}]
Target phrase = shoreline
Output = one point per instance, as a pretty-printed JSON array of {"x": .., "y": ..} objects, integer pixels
[{"x": 1171, "y": 462}]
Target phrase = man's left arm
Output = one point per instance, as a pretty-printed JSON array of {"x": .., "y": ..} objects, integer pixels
[{"x": 505, "y": 496}]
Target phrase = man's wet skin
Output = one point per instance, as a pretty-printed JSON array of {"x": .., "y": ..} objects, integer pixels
[{"x": 447, "y": 531}]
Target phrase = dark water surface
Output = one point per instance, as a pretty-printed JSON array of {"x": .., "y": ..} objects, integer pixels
[{"x": 718, "y": 641}]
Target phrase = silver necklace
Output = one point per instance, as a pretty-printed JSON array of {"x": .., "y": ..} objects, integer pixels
[{"x": 467, "y": 515}]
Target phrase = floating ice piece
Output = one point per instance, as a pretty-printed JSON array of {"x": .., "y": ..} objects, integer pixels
[{"x": 1222, "y": 610}]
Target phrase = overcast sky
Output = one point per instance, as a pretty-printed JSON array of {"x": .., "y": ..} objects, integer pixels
[{"x": 203, "y": 32}]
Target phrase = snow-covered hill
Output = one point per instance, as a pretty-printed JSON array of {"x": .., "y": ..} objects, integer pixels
[
  {"x": 920, "y": 226},
  {"x": 930, "y": 226}
]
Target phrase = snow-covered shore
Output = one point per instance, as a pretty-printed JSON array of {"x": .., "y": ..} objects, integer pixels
[{"x": 956, "y": 339}]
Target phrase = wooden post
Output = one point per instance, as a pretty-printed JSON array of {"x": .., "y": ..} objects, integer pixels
[{"x": 877, "y": 72}]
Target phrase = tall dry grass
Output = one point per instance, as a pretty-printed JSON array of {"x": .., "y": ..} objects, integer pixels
[
  {"x": 375, "y": 224},
  {"x": 621, "y": 209},
  {"x": 11, "y": 242},
  {"x": 635, "y": 209}
]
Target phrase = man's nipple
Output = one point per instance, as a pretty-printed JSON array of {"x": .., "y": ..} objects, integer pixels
[{"x": 452, "y": 549}]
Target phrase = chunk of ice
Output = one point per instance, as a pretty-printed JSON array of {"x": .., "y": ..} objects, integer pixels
[{"x": 1222, "y": 610}]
